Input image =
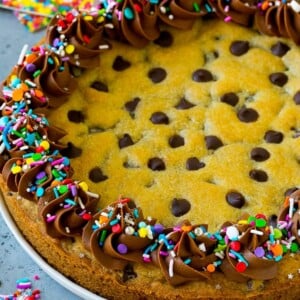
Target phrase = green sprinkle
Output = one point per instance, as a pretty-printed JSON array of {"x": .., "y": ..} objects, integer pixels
[
  {"x": 37, "y": 73},
  {"x": 260, "y": 223},
  {"x": 62, "y": 189},
  {"x": 294, "y": 247},
  {"x": 196, "y": 7},
  {"x": 36, "y": 156},
  {"x": 17, "y": 133}
]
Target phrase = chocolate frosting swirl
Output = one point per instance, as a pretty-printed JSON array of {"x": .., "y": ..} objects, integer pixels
[
  {"x": 279, "y": 19},
  {"x": 66, "y": 208},
  {"x": 249, "y": 238},
  {"x": 77, "y": 39},
  {"x": 183, "y": 254},
  {"x": 290, "y": 215},
  {"x": 239, "y": 11},
  {"x": 118, "y": 235}
]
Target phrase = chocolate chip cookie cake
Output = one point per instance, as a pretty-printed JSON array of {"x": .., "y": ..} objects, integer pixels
[{"x": 150, "y": 149}]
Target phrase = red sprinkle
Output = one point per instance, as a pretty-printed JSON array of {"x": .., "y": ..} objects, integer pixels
[
  {"x": 241, "y": 267},
  {"x": 116, "y": 228},
  {"x": 86, "y": 217},
  {"x": 236, "y": 246},
  {"x": 261, "y": 216},
  {"x": 137, "y": 8}
]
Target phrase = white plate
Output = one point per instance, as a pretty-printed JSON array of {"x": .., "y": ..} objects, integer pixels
[{"x": 62, "y": 280}]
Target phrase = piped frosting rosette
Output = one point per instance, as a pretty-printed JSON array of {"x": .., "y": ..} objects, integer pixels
[
  {"x": 65, "y": 207},
  {"x": 251, "y": 249},
  {"x": 238, "y": 11},
  {"x": 289, "y": 220},
  {"x": 119, "y": 234},
  {"x": 185, "y": 253},
  {"x": 47, "y": 71},
  {"x": 279, "y": 18},
  {"x": 135, "y": 22},
  {"x": 77, "y": 38}
]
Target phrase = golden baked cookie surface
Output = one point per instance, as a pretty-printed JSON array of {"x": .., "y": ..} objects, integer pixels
[{"x": 182, "y": 128}]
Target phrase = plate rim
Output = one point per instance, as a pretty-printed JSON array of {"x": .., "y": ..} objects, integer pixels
[{"x": 40, "y": 261}]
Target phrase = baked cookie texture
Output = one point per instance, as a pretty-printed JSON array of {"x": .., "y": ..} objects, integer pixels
[{"x": 200, "y": 125}]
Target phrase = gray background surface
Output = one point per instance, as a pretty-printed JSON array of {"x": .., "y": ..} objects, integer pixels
[{"x": 14, "y": 263}]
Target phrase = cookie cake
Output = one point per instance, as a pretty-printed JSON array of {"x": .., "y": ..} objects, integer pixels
[{"x": 150, "y": 149}]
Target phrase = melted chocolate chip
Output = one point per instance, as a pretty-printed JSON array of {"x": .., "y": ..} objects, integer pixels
[
  {"x": 258, "y": 175},
  {"x": 235, "y": 199},
  {"x": 95, "y": 129},
  {"x": 125, "y": 141},
  {"x": 184, "y": 104},
  {"x": 279, "y": 78},
  {"x": 259, "y": 154},
  {"x": 120, "y": 64},
  {"x": 128, "y": 273},
  {"x": 274, "y": 137},
  {"x": 213, "y": 142},
  {"x": 75, "y": 116},
  {"x": 297, "y": 98},
  {"x": 193, "y": 164},
  {"x": 76, "y": 71},
  {"x": 239, "y": 48},
  {"x": 247, "y": 115},
  {"x": 273, "y": 220},
  {"x": 159, "y": 118},
  {"x": 164, "y": 40},
  {"x": 280, "y": 49},
  {"x": 180, "y": 207},
  {"x": 156, "y": 164},
  {"x": 131, "y": 105},
  {"x": 290, "y": 191},
  {"x": 176, "y": 141},
  {"x": 71, "y": 151},
  {"x": 157, "y": 75},
  {"x": 96, "y": 175},
  {"x": 230, "y": 98},
  {"x": 99, "y": 86},
  {"x": 202, "y": 75}
]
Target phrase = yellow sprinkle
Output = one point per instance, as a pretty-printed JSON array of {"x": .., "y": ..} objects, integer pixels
[
  {"x": 243, "y": 222},
  {"x": 29, "y": 161},
  {"x": 16, "y": 169},
  {"x": 100, "y": 19},
  {"x": 70, "y": 49},
  {"x": 143, "y": 232},
  {"x": 84, "y": 186},
  {"x": 45, "y": 145},
  {"x": 88, "y": 18}
]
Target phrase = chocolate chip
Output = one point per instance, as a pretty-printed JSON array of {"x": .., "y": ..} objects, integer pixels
[
  {"x": 279, "y": 78},
  {"x": 290, "y": 191},
  {"x": 230, "y": 98},
  {"x": 157, "y": 75},
  {"x": 184, "y": 104},
  {"x": 280, "y": 49},
  {"x": 75, "y": 116},
  {"x": 235, "y": 199},
  {"x": 176, "y": 141},
  {"x": 131, "y": 105},
  {"x": 259, "y": 154},
  {"x": 128, "y": 273},
  {"x": 99, "y": 86},
  {"x": 273, "y": 220},
  {"x": 193, "y": 164},
  {"x": 96, "y": 175},
  {"x": 274, "y": 137},
  {"x": 71, "y": 151},
  {"x": 213, "y": 142},
  {"x": 159, "y": 118},
  {"x": 202, "y": 75},
  {"x": 125, "y": 141},
  {"x": 297, "y": 98},
  {"x": 120, "y": 64},
  {"x": 164, "y": 40},
  {"x": 239, "y": 48},
  {"x": 247, "y": 115},
  {"x": 258, "y": 175},
  {"x": 156, "y": 164},
  {"x": 180, "y": 207}
]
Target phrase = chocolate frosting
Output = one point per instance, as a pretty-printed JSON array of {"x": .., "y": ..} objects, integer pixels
[
  {"x": 182, "y": 255},
  {"x": 118, "y": 234},
  {"x": 66, "y": 211},
  {"x": 279, "y": 19}
]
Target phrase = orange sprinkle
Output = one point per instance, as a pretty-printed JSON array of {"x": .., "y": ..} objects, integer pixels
[
  {"x": 17, "y": 95},
  {"x": 186, "y": 228},
  {"x": 30, "y": 58},
  {"x": 265, "y": 5},
  {"x": 38, "y": 93},
  {"x": 286, "y": 202},
  {"x": 103, "y": 219},
  {"x": 276, "y": 249},
  {"x": 210, "y": 268},
  {"x": 55, "y": 183},
  {"x": 29, "y": 127},
  {"x": 24, "y": 87}
]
